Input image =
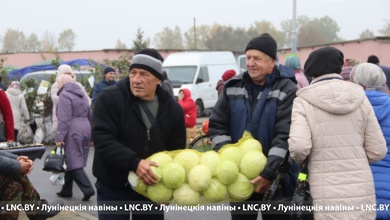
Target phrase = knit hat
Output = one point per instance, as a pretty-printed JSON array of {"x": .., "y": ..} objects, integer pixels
[
  {"x": 14, "y": 84},
  {"x": 369, "y": 75},
  {"x": 228, "y": 74},
  {"x": 324, "y": 60},
  {"x": 293, "y": 62},
  {"x": 264, "y": 43},
  {"x": 148, "y": 59},
  {"x": 108, "y": 69},
  {"x": 64, "y": 79},
  {"x": 373, "y": 59},
  {"x": 64, "y": 68}
]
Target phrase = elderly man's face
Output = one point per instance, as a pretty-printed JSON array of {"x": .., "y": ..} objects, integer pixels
[
  {"x": 258, "y": 65},
  {"x": 143, "y": 84}
]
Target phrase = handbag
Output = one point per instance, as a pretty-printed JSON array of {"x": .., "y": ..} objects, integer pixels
[
  {"x": 2, "y": 132},
  {"x": 54, "y": 162},
  {"x": 302, "y": 199}
]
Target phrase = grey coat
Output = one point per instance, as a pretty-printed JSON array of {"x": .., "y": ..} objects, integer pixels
[
  {"x": 8, "y": 163},
  {"x": 74, "y": 125}
]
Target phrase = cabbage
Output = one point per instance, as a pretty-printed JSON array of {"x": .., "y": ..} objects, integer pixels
[
  {"x": 185, "y": 195},
  {"x": 159, "y": 193},
  {"x": 187, "y": 158},
  {"x": 141, "y": 188},
  {"x": 173, "y": 175},
  {"x": 156, "y": 171},
  {"x": 211, "y": 160},
  {"x": 252, "y": 164},
  {"x": 241, "y": 189},
  {"x": 227, "y": 172},
  {"x": 199, "y": 177},
  {"x": 232, "y": 154},
  {"x": 251, "y": 145},
  {"x": 216, "y": 192},
  {"x": 160, "y": 158}
]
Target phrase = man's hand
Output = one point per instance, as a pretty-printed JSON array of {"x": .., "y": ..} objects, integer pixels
[
  {"x": 262, "y": 184},
  {"x": 145, "y": 173},
  {"x": 27, "y": 160},
  {"x": 25, "y": 167}
]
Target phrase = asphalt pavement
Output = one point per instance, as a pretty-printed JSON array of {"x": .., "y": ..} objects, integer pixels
[{"x": 47, "y": 190}]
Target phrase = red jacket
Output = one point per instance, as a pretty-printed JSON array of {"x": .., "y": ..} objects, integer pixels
[
  {"x": 6, "y": 112},
  {"x": 189, "y": 108}
]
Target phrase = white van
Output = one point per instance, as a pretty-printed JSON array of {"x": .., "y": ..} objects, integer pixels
[{"x": 199, "y": 72}]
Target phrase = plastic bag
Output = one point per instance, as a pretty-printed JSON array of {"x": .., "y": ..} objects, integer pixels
[
  {"x": 49, "y": 134},
  {"x": 39, "y": 134},
  {"x": 25, "y": 135},
  {"x": 204, "y": 177},
  {"x": 57, "y": 178}
]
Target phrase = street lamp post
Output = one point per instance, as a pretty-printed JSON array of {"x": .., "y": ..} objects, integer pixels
[{"x": 294, "y": 29}]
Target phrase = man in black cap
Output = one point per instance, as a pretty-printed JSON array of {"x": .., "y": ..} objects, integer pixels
[
  {"x": 260, "y": 101},
  {"x": 108, "y": 80},
  {"x": 375, "y": 60},
  {"x": 131, "y": 121}
]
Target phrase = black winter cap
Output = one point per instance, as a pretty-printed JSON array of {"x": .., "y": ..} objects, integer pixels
[
  {"x": 264, "y": 43},
  {"x": 324, "y": 60}
]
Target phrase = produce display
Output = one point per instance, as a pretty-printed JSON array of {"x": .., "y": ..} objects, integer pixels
[{"x": 189, "y": 177}]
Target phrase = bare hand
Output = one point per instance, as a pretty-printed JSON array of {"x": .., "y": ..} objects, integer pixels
[
  {"x": 22, "y": 158},
  {"x": 262, "y": 184},
  {"x": 25, "y": 167},
  {"x": 59, "y": 143},
  {"x": 145, "y": 173}
]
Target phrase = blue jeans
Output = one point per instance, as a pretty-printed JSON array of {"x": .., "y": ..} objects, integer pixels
[{"x": 122, "y": 201}]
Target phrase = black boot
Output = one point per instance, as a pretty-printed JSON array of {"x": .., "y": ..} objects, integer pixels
[
  {"x": 44, "y": 214},
  {"x": 66, "y": 191}
]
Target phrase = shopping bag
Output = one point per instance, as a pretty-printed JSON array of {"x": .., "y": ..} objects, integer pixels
[{"x": 54, "y": 162}]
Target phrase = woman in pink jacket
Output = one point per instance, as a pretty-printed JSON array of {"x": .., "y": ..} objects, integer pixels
[
  {"x": 334, "y": 123},
  {"x": 189, "y": 107}
]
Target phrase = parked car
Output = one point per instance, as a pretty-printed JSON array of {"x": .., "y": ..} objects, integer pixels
[{"x": 49, "y": 75}]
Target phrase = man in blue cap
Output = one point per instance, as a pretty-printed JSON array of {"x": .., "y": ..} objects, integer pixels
[{"x": 108, "y": 80}]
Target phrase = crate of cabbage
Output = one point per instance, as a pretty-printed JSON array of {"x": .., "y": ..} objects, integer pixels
[{"x": 188, "y": 177}]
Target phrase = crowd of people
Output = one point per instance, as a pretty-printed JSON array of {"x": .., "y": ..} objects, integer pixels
[{"x": 334, "y": 112}]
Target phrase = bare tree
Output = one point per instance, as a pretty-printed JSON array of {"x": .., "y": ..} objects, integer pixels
[
  {"x": 169, "y": 39},
  {"x": 318, "y": 31},
  {"x": 366, "y": 34},
  {"x": 287, "y": 27},
  {"x": 66, "y": 41},
  {"x": 261, "y": 27},
  {"x": 199, "y": 41},
  {"x": 48, "y": 43},
  {"x": 32, "y": 43},
  {"x": 385, "y": 31},
  {"x": 120, "y": 45},
  {"x": 13, "y": 41}
]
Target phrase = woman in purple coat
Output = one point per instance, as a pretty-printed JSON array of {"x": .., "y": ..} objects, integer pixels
[{"x": 74, "y": 133}]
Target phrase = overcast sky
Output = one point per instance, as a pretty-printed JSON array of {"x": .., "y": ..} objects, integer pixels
[{"x": 98, "y": 24}]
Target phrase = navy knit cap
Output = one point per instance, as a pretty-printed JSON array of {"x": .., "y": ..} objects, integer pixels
[
  {"x": 324, "y": 60},
  {"x": 108, "y": 69},
  {"x": 148, "y": 59},
  {"x": 264, "y": 43}
]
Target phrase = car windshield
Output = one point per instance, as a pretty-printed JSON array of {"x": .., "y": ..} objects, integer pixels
[{"x": 179, "y": 75}]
